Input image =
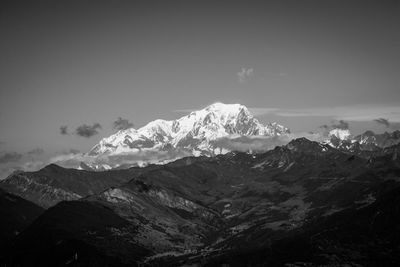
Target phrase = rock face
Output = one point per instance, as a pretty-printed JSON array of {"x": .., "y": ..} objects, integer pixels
[
  {"x": 296, "y": 203},
  {"x": 194, "y": 132}
]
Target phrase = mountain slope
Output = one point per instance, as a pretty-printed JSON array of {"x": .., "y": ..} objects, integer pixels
[
  {"x": 15, "y": 215},
  {"x": 53, "y": 184},
  {"x": 366, "y": 236},
  {"x": 75, "y": 233}
]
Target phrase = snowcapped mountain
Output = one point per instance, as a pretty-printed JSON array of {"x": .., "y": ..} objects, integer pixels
[
  {"x": 194, "y": 132},
  {"x": 339, "y": 138},
  {"x": 367, "y": 141},
  {"x": 341, "y": 134},
  {"x": 381, "y": 140}
]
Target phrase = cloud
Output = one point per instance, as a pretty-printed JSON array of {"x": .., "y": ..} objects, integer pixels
[
  {"x": 183, "y": 110},
  {"x": 128, "y": 158},
  {"x": 10, "y": 157},
  {"x": 29, "y": 161},
  {"x": 346, "y": 113},
  {"x": 122, "y": 124},
  {"x": 74, "y": 151},
  {"x": 72, "y": 159},
  {"x": 64, "y": 130},
  {"x": 36, "y": 151},
  {"x": 341, "y": 125},
  {"x": 27, "y": 166},
  {"x": 352, "y": 113},
  {"x": 245, "y": 74},
  {"x": 33, "y": 165},
  {"x": 383, "y": 122},
  {"x": 69, "y": 152},
  {"x": 262, "y": 111},
  {"x": 253, "y": 111},
  {"x": 69, "y": 160},
  {"x": 88, "y": 130},
  {"x": 153, "y": 156}
]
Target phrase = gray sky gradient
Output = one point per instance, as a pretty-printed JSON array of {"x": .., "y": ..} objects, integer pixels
[{"x": 85, "y": 62}]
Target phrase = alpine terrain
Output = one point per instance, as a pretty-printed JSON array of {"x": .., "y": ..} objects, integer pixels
[{"x": 301, "y": 204}]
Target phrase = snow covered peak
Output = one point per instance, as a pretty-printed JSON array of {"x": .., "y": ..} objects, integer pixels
[
  {"x": 341, "y": 134},
  {"x": 218, "y": 117},
  {"x": 217, "y": 111},
  {"x": 194, "y": 132},
  {"x": 225, "y": 109},
  {"x": 338, "y": 137}
]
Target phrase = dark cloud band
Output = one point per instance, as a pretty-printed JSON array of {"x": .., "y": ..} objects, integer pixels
[
  {"x": 36, "y": 151},
  {"x": 10, "y": 157}
]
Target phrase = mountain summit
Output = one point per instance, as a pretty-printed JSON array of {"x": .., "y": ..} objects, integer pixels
[{"x": 194, "y": 132}]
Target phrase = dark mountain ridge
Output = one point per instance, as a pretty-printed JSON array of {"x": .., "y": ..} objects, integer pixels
[
  {"x": 53, "y": 183},
  {"x": 239, "y": 209}
]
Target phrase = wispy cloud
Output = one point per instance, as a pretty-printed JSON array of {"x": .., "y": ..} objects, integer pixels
[
  {"x": 254, "y": 111},
  {"x": 263, "y": 111},
  {"x": 276, "y": 74},
  {"x": 30, "y": 161},
  {"x": 122, "y": 124},
  {"x": 183, "y": 110},
  {"x": 74, "y": 151},
  {"x": 346, "y": 113},
  {"x": 88, "y": 130},
  {"x": 245, "y": 74},
  {"x": 152, "y": 156}
]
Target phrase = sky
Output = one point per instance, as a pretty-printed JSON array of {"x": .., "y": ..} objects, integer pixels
[{"x": 87, "y": 64}]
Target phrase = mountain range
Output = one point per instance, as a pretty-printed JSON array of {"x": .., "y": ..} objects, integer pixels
[
  {"x": 330, "y": 202},
  {"x": 368, "y": 141},
  {"x": 301, "y": 204},
  {"x": 208, "y": 132}
]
